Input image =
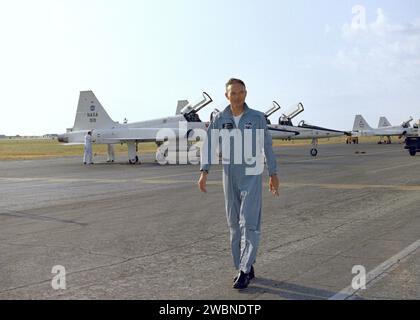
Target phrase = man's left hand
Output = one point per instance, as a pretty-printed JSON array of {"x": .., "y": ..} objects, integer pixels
[{"x": 274, "y": 185}]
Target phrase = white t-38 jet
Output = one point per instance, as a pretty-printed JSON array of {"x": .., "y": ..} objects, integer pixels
[
  {"x": 91, "y": 116},
  {"x": 385, "y": 129},
  {"x": 285, "y": 130}
]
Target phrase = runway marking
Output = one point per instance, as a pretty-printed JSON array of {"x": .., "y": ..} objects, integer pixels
[
  {"x": 177, "y": 175},
  {"x": 373, "y": 275},
  {"x": 159, "y": 180},
  {"x": 395, "y": 167},
  {"x": 338, "y": 156},
  {"x": 376, "y": 153},
  {"x": 67, "y": 180},
  {"x": 32, "y": 216},
  {"x": 318, "y": 159},
  {"x": 323, "y": 185},
  {"x": 353, "y": 186}
]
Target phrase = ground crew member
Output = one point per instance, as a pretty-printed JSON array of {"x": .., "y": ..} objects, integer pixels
[
  {"x": 87, "y": 157},
  {"x": 243, "y": 192},
  {"x": 111, "y": 153}
]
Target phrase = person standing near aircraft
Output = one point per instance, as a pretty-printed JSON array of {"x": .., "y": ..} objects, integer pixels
[
  {"x": 111, "y": 153},
  {"x": 87, "y": 157},
  {"x": 243, "y": 191}
]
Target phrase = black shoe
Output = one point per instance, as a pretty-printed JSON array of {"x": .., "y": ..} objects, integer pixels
[
  {"x": 251, "y": 275},
  {"x": 242, "y": 282}
]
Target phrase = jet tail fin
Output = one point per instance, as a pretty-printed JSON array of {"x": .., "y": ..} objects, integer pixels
[
  {"x": 383, "y": 122},
  {"x": 90, "y": 114},
  {"x": 360, "y": 124}
]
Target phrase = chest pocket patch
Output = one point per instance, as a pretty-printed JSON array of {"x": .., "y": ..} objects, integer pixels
[
  {"x": 248, "y": 125},
  {"x": 228, "y": 126}
]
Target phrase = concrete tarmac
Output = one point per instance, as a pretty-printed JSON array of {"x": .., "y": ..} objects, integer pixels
[{"x": 146, "y": 232}]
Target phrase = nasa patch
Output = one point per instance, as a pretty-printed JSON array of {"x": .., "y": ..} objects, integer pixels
[
  {"x": 92, "y": 108},
  {"x": 248, "y": 125}
]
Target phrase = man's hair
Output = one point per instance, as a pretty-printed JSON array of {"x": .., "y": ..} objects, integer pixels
[{"x": 233, "y": 80}]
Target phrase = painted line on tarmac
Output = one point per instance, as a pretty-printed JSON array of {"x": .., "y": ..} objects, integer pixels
[
  {"x": 175, "y": 175},
  {"x": 353, "y": 186},
  {"x": 98, "y": 180},
  {"x": 318, "y": 159},
  {"x": 395, "y": 167},
  {"x": 61, "y": 180},
  {"x": 331, "y": 186},
  {"x": 342, "y": 156},
  {"x": 376, "y": 273},
  {"x": 161, "y": 180}
]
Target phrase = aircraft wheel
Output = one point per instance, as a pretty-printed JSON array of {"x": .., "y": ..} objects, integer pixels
[
  {"x": 412, "y": 152},
  {"x": 314, "y": 152},
  {"x": 134, "y": 161}
]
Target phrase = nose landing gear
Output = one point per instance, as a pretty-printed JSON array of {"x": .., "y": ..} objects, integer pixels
[
  {"x": 314, "y": 150},
  {"x": 134, "y": 161}
]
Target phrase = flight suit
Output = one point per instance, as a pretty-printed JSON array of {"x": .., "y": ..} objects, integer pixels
[{"x": 242, "y": 187}]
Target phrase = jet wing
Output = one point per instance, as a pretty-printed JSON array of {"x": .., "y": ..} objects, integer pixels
[
  {"x": 308, "y": 126},
  {"x": 283, "y": 130},
  {"x": 135, "y": 135},
  {"x": 128, "y": 134},
  {"x": 123, "y": 139}
]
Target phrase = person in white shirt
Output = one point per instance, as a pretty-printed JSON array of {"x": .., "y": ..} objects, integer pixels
[
  {"x": 111, "y": 153},
  {"x": 87, "y": 157}
]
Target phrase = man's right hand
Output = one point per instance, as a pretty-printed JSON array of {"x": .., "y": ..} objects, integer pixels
[{"x": 202, "y": 182}]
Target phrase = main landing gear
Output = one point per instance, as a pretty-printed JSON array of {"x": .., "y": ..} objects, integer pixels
[{"x": 132, "y": 153}]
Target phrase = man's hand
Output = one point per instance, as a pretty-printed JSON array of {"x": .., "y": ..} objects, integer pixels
[
  {"x": 274, "y": 185},
  {"x": 202, "y": 182}
]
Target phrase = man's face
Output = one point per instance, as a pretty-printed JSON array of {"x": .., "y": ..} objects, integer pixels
[{"x": 236, "y": 94}]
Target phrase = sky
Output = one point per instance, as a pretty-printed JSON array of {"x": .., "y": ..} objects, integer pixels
[{"x": 339, "y": 58}]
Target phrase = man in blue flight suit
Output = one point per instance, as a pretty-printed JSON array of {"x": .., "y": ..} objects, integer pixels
[{"x": 242, "y": 186}]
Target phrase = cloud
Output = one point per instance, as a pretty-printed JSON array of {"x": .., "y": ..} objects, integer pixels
[
  {"x": 327, "y": 29},
  {"x": 382, "y": 51}
]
